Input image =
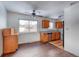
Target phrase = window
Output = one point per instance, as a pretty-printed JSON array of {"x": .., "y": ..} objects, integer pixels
[
  {"x": 51, "y": 24},
  {"x": 27, "y": 26},
  {"x": 33, "y": 26}
]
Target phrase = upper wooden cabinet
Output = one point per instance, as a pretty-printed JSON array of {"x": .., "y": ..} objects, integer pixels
[
  {"x": 59, "y": 24},
  {"x": 45, "y": 23}
]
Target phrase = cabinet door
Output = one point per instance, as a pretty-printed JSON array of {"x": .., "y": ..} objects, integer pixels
[
  {"x": 57, "y": 35},
  {"x": 59, "y": 24},
  {"x": 53, "y": 35},
  {"x": 10, "y": 44},
  {"x": 45, "y": 23},
  {"x": 44, "y": 37}
]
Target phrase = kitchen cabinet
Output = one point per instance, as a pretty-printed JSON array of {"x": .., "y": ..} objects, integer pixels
[
  {"x": 44, "y": 37},
  {"x": 58, "y": 35},
  {"x": 10, "y": 40},
  {"x": 45, "y": 23},
  {"x": 55, "y": 36},
  {"x": 59, "y": 24}
]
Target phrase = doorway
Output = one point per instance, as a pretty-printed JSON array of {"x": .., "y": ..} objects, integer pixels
[{"x": 58, "y": 37}]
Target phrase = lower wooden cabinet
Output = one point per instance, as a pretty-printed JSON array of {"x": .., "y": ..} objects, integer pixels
[
  {"x": 10, "y": 44},
  {"x": 55, "y": 36},
  {"x": 10, "y": 40},
  {"x": 58, "y": 35},
  {"x": 44, "y": 37}
]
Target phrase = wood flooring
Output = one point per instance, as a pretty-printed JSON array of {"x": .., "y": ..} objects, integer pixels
[
  {"x": 39, "y": 50},
  {"x": 57, "y": 43}
]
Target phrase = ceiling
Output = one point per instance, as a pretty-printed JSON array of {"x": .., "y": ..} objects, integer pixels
[{"x": 45, "y": 8}]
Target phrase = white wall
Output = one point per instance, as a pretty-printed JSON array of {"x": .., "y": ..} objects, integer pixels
[
  {"x": 2, "y": 16},
  {"x": 29, "y": 37},
  {"x": 71, "y": 15},
  {"x": 2, "y": 25}
]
